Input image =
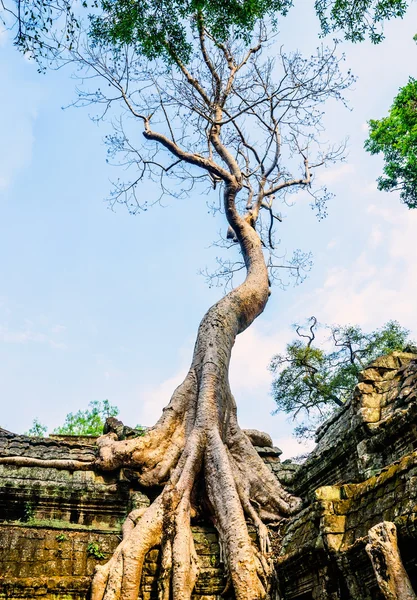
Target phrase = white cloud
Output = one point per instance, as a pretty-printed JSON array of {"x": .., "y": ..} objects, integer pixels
[
  {"x": 251, "y": 355},
  {"x": 381, "y": 283},
  {"x": 371, "y": 187},
  {"x": 332, "y": 175},
  {"x": 154, "y": 398},
  {"x": 28, "y": 336},
  {"x": 376, "y": 236},
  {"x": 58, "y": 329},
  {"x": 291, "y": 447}
]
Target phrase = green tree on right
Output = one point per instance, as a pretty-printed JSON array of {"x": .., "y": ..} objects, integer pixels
[
  {"x": 395, "y": 136},
  {"x": 313, "y": 382}
]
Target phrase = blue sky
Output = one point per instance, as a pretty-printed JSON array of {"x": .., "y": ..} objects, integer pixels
[{"x": 97, "y": 304}]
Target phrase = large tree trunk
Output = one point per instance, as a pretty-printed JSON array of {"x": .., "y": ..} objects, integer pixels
[{"x": 198, "y": 440}]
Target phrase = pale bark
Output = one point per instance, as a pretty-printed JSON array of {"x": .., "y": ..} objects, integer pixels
[
  {"x": 54, "y": 463},
  {"x": 382, "y": 549},
  {"x": 198, "y": 436}
]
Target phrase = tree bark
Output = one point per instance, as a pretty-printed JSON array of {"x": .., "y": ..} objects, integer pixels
[
  {"x": 198, "y": 439},
  {"x": 382, "y": 549}
]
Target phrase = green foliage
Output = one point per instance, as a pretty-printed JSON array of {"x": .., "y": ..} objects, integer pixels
[
  {"x": 93, "y": 549},
  {"x": 90, "y": 421},
  {"x": 162, "y": 28},
  {"x": 358, "y": 19},
  {"x": 165, "y": 28},
  {"x": 396, "y": 137},
  {"x": 61, "y": 537},
  {"x": 311, "y": 381},
  {"x": 37, "y": 429},
  {"x": 140, "y": 430}
]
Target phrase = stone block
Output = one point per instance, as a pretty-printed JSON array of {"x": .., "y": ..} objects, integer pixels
[
  {"x": 370, "y": 415},
  {"x": 342, "y": 507},
  {"x": 333, "y": 523},
  {"x": 334, "y": 541},
  {"x": 371, "y": 401},
  {"x": 328, "y": 492},
  {"x": 391, "y": 361},
  {"x": 79, "y": 564},
  {"x": 365, "y": 388}
]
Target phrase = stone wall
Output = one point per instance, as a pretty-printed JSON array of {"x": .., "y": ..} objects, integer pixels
[
  {"x": 57, "y": 524},
  {"x": 363, "y": 471},
  {"x": 49, "y": 560}
]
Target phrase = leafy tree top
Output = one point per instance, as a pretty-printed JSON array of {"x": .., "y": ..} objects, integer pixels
[
  {"x": 161, "y": 28},
  {"x": 37, "y": 429},
  {"x": 88, "y": 422},
  {"x": 84, "y": 422},
  {"x": 395, "y": 136},
  {"x": 313, "y": 381}
]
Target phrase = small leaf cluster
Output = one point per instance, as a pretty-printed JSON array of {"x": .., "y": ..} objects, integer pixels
[
  {"x": 313, "y": 381},
  {"x": 38, "y": 429},
  {"x": 358, "y": 19},
  {"x": 395, "y": 136},
  {"x": 93, "y": 549}
]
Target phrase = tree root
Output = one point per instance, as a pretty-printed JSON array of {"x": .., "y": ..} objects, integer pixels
[
  {"x": 55, "y": 463},
  {"x": 237, "y": 485},
  {"x": 391, "y": 576}
]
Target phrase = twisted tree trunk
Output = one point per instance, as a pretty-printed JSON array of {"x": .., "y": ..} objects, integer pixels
[{"x": 198, "y": 439}]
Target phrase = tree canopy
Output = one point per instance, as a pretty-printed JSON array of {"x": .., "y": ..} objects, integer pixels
[
  {"x": 313, "y": 381},
  {"x": 358, "y": 20},
  {"x": 161, "y": 28},
  {"x": 395, "y": 136}
]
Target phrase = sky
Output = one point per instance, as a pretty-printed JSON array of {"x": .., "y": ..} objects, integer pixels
[{"x": 98, "y": 304}]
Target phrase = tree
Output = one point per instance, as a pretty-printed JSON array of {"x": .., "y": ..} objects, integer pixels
[
  {"x": 37, "y": 429},
  {"x": 88, "y": 422},
  {"x": 395, "y": 136},
  {"x": 84, "y": 422},
  {"x": 214, "y": 113},
  {"x": 312, "y": 381}
]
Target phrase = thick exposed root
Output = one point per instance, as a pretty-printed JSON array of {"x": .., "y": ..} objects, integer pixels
[
  {"x": 157, "y": 452},
  {"x": 55, "y": 463},
  {"x": 121, "y": 576}
]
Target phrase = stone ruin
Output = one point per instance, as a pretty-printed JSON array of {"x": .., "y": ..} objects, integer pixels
[{"x": 359, "y": 486}]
